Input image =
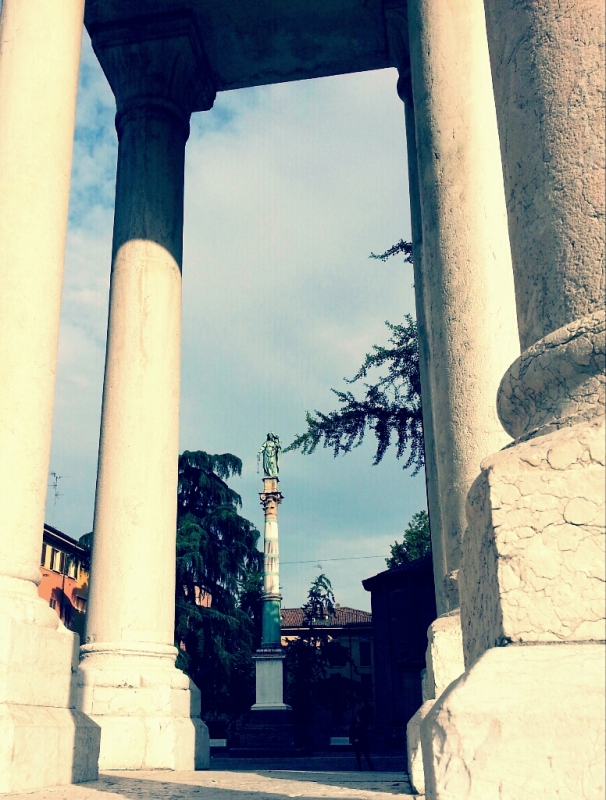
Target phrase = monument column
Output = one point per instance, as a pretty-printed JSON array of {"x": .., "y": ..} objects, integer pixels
[
  {"x": 269, "y": 659},
  {"x": 533, "y": 555},
  {"x": 44, "y": 741},
  {"x": 463, "y": 283},
  {"x": 147, "y": 709}
]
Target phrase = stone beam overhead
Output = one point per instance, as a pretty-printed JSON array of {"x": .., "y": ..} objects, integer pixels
[{"x": 269, "y": 41}]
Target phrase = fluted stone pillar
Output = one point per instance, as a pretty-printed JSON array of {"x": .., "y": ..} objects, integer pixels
[
  {"x": 463, "y": 281},
  {"x": 44, "y": 741},
  {"x": 148, "y": 710},
  {"x": 533, "y": 557}
]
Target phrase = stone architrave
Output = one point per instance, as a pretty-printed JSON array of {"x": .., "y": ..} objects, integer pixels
[
  {"x": 532, "y": 577},
  {"x": 148, "y": 710},
  {"x": 44, "y": 741}
]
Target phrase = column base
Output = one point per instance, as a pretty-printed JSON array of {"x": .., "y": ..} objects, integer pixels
[
  {"x": 44, "y": 741},
  {"x": 444, "y": 658},
  {"x": 525, "y": 723},
  {"x": 148, "y": 711},
  {"x": 413, "y": 747},
  {"x": 266, "y": 733}
]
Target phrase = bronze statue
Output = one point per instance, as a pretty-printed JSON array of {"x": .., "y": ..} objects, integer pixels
[{"x": 271, "y": 455}]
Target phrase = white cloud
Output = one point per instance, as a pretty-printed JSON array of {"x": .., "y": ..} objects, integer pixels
[{"x": 288, "y": 189}]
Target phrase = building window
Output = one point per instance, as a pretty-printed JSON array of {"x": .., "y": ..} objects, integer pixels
[
  {"x": 52, "y": 603},
  {"x": 57, "y": 561},
  {"x": 365, "y": 654},
  {"x": 80, "y": 604},
  {"x": 47, "y": 556},
  {"x": 72, "y": 567}
]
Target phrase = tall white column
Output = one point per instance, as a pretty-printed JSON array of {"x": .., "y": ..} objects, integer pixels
[
  {"x": 463, "y": 282},
  {"x": 468, "y": 276},
  {"x": 148, "y": 710},
  {"x": 44, "y": 741},
  {"x": 533, "y": 557}
]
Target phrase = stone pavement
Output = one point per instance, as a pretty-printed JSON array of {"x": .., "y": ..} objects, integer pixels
[{"x": 249, "y": 784}]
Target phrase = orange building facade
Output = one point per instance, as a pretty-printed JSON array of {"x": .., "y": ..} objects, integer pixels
[{"x": 65, "y": 573}]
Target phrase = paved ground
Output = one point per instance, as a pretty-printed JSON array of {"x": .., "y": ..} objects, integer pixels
[{"x": 235, "y": 784}]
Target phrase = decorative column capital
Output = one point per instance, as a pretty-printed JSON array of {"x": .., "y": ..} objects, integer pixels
[
  {"x": 396, "y": 25},
  {"x": 155, "y": 61},
  {"x": 271, "y": 497}
]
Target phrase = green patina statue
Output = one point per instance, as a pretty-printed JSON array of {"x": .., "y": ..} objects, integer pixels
[{"x": 271, "y": 455}]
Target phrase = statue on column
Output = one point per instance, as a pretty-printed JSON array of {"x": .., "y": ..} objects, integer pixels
[{"x": 270, "y": 449}]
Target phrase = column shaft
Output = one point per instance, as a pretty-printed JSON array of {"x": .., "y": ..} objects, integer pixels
[
  {"x": 466, "y": 260},
  {"x": 45, "y": 741},
  {"x": 440, "y": 566},
  {"x": 131, "y": 596},
  {"x": 548, "y": 68},
  {"x": 39, "y": 57}
]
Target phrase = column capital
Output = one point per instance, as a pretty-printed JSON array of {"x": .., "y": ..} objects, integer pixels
[
  {"x": 155, "y": 60},
  {"x": 396, "y": 25}
]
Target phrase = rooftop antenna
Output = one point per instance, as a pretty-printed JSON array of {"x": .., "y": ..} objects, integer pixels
[{"x": 55, "y": 486}]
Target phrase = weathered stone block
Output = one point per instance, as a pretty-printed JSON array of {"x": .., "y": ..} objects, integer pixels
[
  {"x": 413, "y": 747},
  {"x": 524, "y": 723},
  {"x": 533, "y": 553},
  {"x": 444, "y": 656}
]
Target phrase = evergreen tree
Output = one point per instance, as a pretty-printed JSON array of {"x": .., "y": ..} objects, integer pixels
[
  {"x": 416, "y": 542},
  {"x": 308, "y": 657},
  {"x": 391, "y": 405},
  {"x": 219, "y": 584}
]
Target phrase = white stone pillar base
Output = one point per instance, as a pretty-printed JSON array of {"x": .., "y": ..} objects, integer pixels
[
  {"x": 269, "y": 673},
  {"x": 444, "y": 659},
  {"x": 44, "y": 740},
  {"x": 148, "y": 710},
  {"x": 413, "y": 747},
  {"x": 525, "y": 723}
]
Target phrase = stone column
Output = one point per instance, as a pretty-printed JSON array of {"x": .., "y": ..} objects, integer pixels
[
  {"x": 463, "y": 282},
  {"x": 533, "y": 560},
  {"x": 269, "y": 659},
  {"x": 44, "y": 740},
  {"x": 148, "y": 710}
]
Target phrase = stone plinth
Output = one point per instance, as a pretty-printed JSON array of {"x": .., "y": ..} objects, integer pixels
[
  {"x": 525, "y": 723},
  {"x": 263, "y": 733},
  {"x": 269, "y": 667},
  {"x": 148, "y": 710}
]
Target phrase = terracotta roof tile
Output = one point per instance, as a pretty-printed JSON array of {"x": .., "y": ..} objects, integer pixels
[{"x": 293, "y": 617}]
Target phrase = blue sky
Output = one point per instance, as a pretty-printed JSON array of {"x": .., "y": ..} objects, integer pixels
[{"x": 288, "y": 189}]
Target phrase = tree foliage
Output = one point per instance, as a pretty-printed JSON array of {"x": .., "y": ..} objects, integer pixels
[
  {"x": 309, "y": 687},
  {"x": 219, "y": 584},
  {"x": 391, "y": 405},
  {"x": 416, "y": 542}
]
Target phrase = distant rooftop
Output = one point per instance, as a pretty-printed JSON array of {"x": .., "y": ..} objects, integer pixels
[{"x": 343, "y": 616}]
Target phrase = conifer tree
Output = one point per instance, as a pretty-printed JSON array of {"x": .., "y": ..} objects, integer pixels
[{"x": 219, "y": 584}]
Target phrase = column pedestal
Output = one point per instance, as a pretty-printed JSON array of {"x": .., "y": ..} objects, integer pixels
[{"x": 149, "y": 711}]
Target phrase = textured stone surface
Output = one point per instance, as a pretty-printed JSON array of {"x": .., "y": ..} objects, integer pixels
[
  {"x": 469, "y": 303},
  {"x": 413, "y": 747},
  {"x": 444, "y": 656},
  {"x": 525, "y": 723},
  {"x": 533, "y": 567},
  {"x": 231, "y": 785},
  {"x": 548, "y": 69},
  {"x": 148, "y": 711},
  {"x": 559, "y": 381}
]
